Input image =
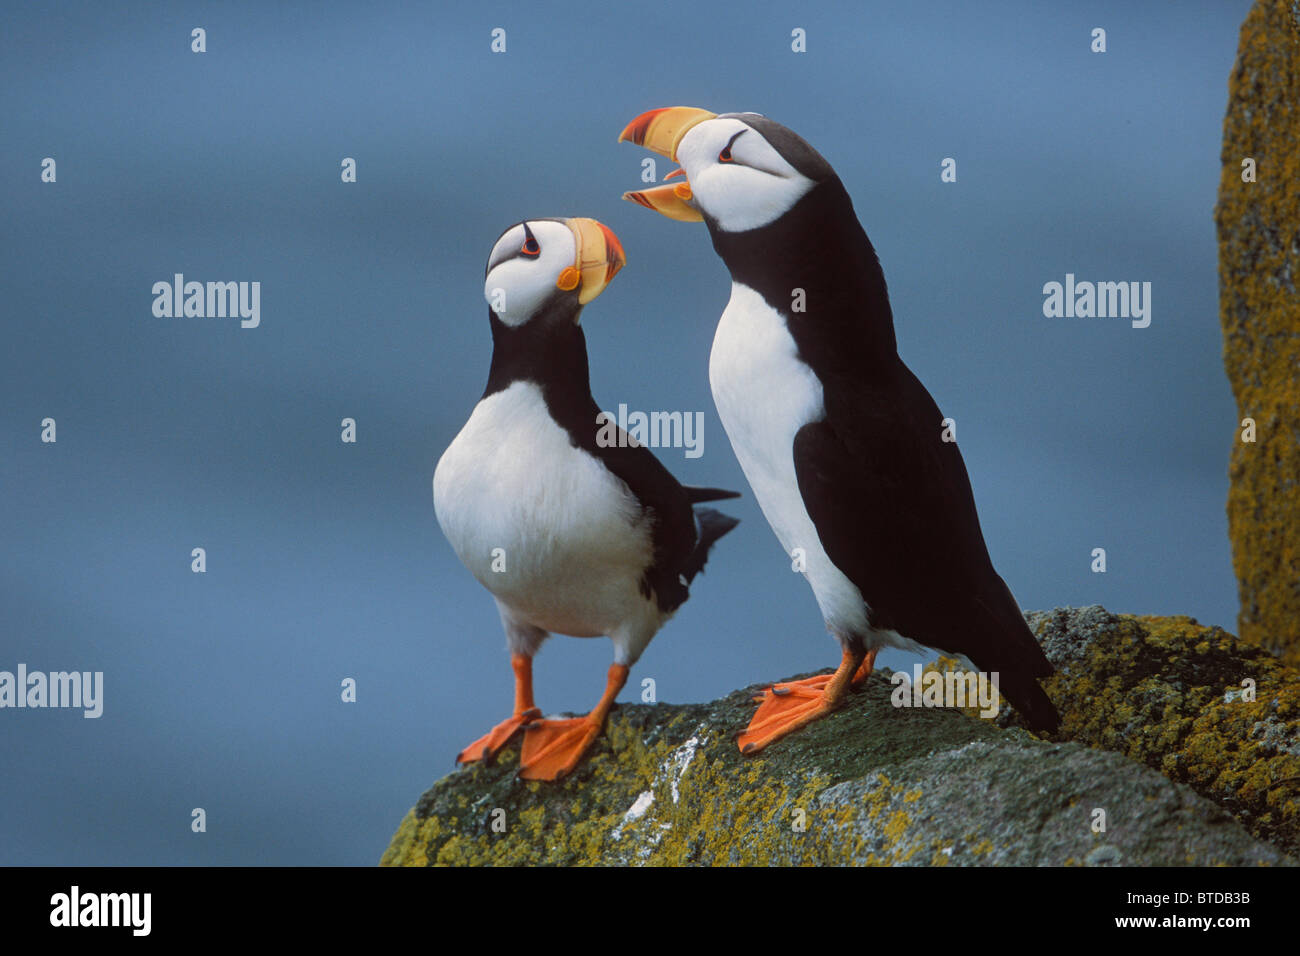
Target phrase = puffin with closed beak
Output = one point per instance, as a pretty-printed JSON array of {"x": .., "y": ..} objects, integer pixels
[
  {"x": 843, "y": 446},
  {"x": 571, "y": 531}
]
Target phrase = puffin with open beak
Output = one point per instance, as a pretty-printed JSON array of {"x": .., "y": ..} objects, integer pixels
[
  {"x": 843, "y": 446},
  {"x": 573, "y": 530}
]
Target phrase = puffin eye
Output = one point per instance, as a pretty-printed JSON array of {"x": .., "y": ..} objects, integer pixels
[
  {"x": 530, "y": 247},
  {"x": 725, "y": 155}
]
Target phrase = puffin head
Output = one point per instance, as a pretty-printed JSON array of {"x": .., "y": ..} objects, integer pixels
[
  {"x": 742, "y": 170},
  {"x": 550, "y": 262}
]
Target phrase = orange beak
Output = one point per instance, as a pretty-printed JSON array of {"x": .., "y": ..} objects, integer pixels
[
  {"x": 673, "y": 200},
  {"x": 599, "y": 257},
  {"x": 661, "y": 131},
  {"x": 615, "y": 257}
]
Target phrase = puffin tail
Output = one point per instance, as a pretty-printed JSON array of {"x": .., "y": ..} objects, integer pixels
[
  {"x": 1023, "y": 661},
  {"x": 1025, "y": 694},
  {"x": 695, "y": 495},
  {"x": 710, "y": 526}
]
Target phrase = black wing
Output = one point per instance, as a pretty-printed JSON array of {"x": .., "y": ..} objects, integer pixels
[
  {"x": 698, "y": 494},
  {"x": 893, "y": 507},
  {"x": 667, "y": 503}
]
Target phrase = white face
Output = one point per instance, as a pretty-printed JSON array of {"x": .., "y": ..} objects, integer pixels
[
  {"x": 738, "y": 179},
  {"x": 523, "y": 268}
]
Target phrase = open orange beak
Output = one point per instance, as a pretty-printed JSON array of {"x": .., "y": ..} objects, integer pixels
[
  {"x": 671, "y": 199},
  {"x": 599, "y": 257},
  {"x": 661, "y": 131}
]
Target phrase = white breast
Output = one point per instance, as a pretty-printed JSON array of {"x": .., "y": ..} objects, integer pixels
[
  {"x": 765, "y": 394},
  {"x": 512, "y": 489}
]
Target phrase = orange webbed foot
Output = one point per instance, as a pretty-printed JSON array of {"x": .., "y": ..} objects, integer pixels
[
  {"x": 487, "y": 746},
  {"x": 784, "y": 708},
  {"x": 552, "y": 748}
]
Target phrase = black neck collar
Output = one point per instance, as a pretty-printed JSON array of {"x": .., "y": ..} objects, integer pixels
[
  {"x": 548, "y": 349},
  {"x": 820, "y": 247}
]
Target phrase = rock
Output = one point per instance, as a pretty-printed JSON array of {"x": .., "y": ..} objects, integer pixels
[
  {"x": 876, "y": 784},
  {"x": 1259, "y": 264},
  {"x": 1168, "y": 692}
]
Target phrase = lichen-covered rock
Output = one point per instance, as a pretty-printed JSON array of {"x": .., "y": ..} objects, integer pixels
[
  {"x": 1191, "y": 701},
  {"x": 1259, "y": 265},
  {"x": 876, "y": 784}
]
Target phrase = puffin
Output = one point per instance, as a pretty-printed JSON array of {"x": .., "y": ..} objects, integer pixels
[
  {"x": 845, "y": 450},
  {"x": 572, "y": 526}
]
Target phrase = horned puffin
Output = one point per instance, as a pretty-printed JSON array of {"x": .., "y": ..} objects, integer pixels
[
  {"x": 569, "y": 535},
  {"x": 841, "y": 443}
]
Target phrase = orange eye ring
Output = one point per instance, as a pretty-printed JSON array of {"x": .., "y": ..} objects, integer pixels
[
  {"x": 530, "y": 247},
  {"x": 725, "y": 155}
]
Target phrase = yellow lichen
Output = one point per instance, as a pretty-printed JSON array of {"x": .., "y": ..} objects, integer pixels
[
  {"x": 1164, "y": 691},
  {"x": 1259, "y": 263}
]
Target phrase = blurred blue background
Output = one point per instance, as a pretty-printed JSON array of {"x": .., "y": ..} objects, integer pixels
[{"x": 325, "y": 561}]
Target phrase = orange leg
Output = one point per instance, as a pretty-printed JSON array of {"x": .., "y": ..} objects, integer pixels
[
  {"x": 487, "y": 746},
  {"x": 552, "y": 748},
  {"x": 864, "y": 671},
  {"x": 787, "y": 707}
]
